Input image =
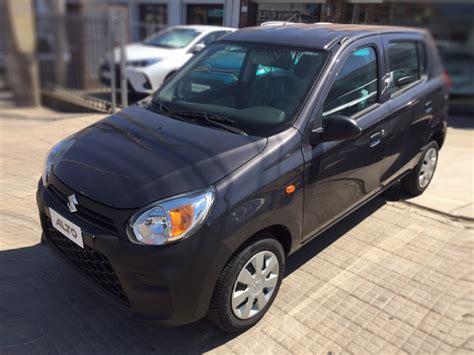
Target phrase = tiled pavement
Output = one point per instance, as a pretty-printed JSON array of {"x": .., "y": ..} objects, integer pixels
[{"x": 388, "y": 279}]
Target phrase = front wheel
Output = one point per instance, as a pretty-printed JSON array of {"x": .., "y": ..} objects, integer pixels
[
  {"x": 418, "y": 180},
  {"x": 248, "y": 285}
]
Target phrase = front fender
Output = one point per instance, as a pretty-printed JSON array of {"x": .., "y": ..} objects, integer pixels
[
  {"x": 254, "y": 198},
  {"x": 251, "y": 199}
]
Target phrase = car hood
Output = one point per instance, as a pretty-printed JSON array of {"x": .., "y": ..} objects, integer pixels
[
  {"x": 136, "y": 157},
  {"x": 140, "y": 51}
]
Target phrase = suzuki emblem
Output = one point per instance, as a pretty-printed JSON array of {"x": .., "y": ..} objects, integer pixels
[{"x": 72, "y": 203}]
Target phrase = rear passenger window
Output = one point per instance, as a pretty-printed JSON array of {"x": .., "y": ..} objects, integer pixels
[
  {"x": 406, "y": 62},
  {"x": 356, "y": 86}
]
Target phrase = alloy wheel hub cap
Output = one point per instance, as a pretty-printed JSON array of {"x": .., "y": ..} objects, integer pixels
[
  {"x": 255, "y": 285},
  {"x": 427, "y": 167}
]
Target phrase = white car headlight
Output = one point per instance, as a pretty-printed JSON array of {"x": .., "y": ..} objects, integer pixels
[
  {"x": 48, "y": 161},
  {"x": 171, "y": 219},
  {"x": 143, "y": 62}
]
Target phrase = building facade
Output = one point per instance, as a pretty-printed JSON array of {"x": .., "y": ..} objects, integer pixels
[
  {"x": 450, "y": 21},
  {"x": 147, "y": 16}
]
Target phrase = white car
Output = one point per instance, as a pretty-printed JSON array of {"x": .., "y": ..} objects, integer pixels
[{"x": 152, "y": 61}]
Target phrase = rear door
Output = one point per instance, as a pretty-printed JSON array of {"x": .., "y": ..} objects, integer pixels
[
  {"x": 340, "y": 175},
  {"x": 413, "y": 97}
]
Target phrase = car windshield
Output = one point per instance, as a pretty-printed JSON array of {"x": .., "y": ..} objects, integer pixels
[
  {"x": 173, "y": 38},
  {"x": 257, "y": 88}
]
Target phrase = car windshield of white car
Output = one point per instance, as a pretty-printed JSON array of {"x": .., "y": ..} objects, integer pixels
[
  {"x": 173, "y": 38},
  {"x": 259, "y": 88}
]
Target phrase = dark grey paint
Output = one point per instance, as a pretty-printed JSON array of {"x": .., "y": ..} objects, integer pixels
[{"x": 128, "y": 160}]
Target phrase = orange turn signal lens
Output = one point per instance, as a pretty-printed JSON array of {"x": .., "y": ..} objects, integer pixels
[
  {"x": 181, "y": 219},
  {"x": 290, "y": 189}
]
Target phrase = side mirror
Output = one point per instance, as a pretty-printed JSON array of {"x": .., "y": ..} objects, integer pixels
[
  {"x": 198, "y": 47},
  {"x": 336, "y": 128}
]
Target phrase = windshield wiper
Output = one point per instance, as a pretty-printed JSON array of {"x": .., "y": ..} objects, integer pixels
[
  {"x": 216, "y": 120},
  {"x": 156, "y": 106},
  {"x": 213, "y": 119}
]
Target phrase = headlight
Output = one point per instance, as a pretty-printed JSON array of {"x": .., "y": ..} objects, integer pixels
[
  {"x": 143, "y": 63},
  {"x": 172, "y": 219},
  {"x": 48, "y": 161}
]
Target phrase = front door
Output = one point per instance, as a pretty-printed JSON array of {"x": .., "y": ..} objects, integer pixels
[{"x": 342, "y": 174}]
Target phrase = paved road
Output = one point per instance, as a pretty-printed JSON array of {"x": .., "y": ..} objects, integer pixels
[{"x": 390, "y": 278}]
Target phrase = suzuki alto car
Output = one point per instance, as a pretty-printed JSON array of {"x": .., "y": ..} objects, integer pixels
[{"x": 188, "y": 204}]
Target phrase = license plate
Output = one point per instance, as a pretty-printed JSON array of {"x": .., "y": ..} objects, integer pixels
[{"x": 68, "y": 229}]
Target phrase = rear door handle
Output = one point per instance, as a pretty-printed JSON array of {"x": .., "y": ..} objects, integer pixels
[
  {"x": 376, "y": 138},
  {"x": 428, "y": 107}
]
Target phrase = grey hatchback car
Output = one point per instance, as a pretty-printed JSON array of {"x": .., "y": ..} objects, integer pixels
[{"x": 189, "y": 203}]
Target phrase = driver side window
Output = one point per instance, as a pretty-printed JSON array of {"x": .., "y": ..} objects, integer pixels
[{"x": 356, "y": 86}]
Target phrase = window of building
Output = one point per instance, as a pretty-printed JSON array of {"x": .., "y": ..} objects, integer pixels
[
  {"x": 405, "y": 63},
  {"x": 356, "y": 85},
  {"x": 152, "y": 18},
  {"x": 205, "y": 15}
]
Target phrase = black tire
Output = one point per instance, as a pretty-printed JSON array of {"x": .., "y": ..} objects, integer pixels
[
  {"x": 410, "y": 184},
  {"x": 220, "y": 310}
]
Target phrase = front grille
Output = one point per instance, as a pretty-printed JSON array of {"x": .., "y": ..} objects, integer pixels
[
  {"x": 89, "y": 262},
  {"x": 85, "y": 213}
]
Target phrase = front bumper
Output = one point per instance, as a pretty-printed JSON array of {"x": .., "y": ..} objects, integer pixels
[
  {"x": 170, "y": 284},
  {"x": 139, "y": 81},
  {"x": 105, "y": 79}
]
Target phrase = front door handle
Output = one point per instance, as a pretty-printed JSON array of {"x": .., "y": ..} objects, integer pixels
[
  {"x": 412, "y": 103},
  {"x": 376, "y": 138}
]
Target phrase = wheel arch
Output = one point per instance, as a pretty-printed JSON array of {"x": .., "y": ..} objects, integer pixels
[
  {"x": 279, "y": 232},
  {"x": 439, "y": 137}
]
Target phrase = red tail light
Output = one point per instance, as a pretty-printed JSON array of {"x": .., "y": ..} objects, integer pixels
[{"x": 447, "y": 79}]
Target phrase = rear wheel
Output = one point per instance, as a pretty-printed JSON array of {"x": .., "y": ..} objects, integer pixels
[
  {"x": 419, "y": 179},
  {"x": 248, "y": 285}
]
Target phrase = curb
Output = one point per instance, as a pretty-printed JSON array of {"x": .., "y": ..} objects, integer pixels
[{"x": 454, "y": 217}]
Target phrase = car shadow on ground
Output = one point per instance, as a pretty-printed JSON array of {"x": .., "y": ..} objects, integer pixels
[{"x": 44, "y": 308}]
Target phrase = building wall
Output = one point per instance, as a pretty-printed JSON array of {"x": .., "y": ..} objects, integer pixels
[{"x": 175, "y": 12}]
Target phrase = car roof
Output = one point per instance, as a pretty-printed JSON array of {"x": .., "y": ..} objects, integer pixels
[
  {"x": 318, "y": 35},
  {"x": 206, "y": 28}
]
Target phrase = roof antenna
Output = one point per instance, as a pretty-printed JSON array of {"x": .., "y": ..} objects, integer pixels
[
  {"x": 281, "y": 23},
  {"x": 293, "y": 16}
]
